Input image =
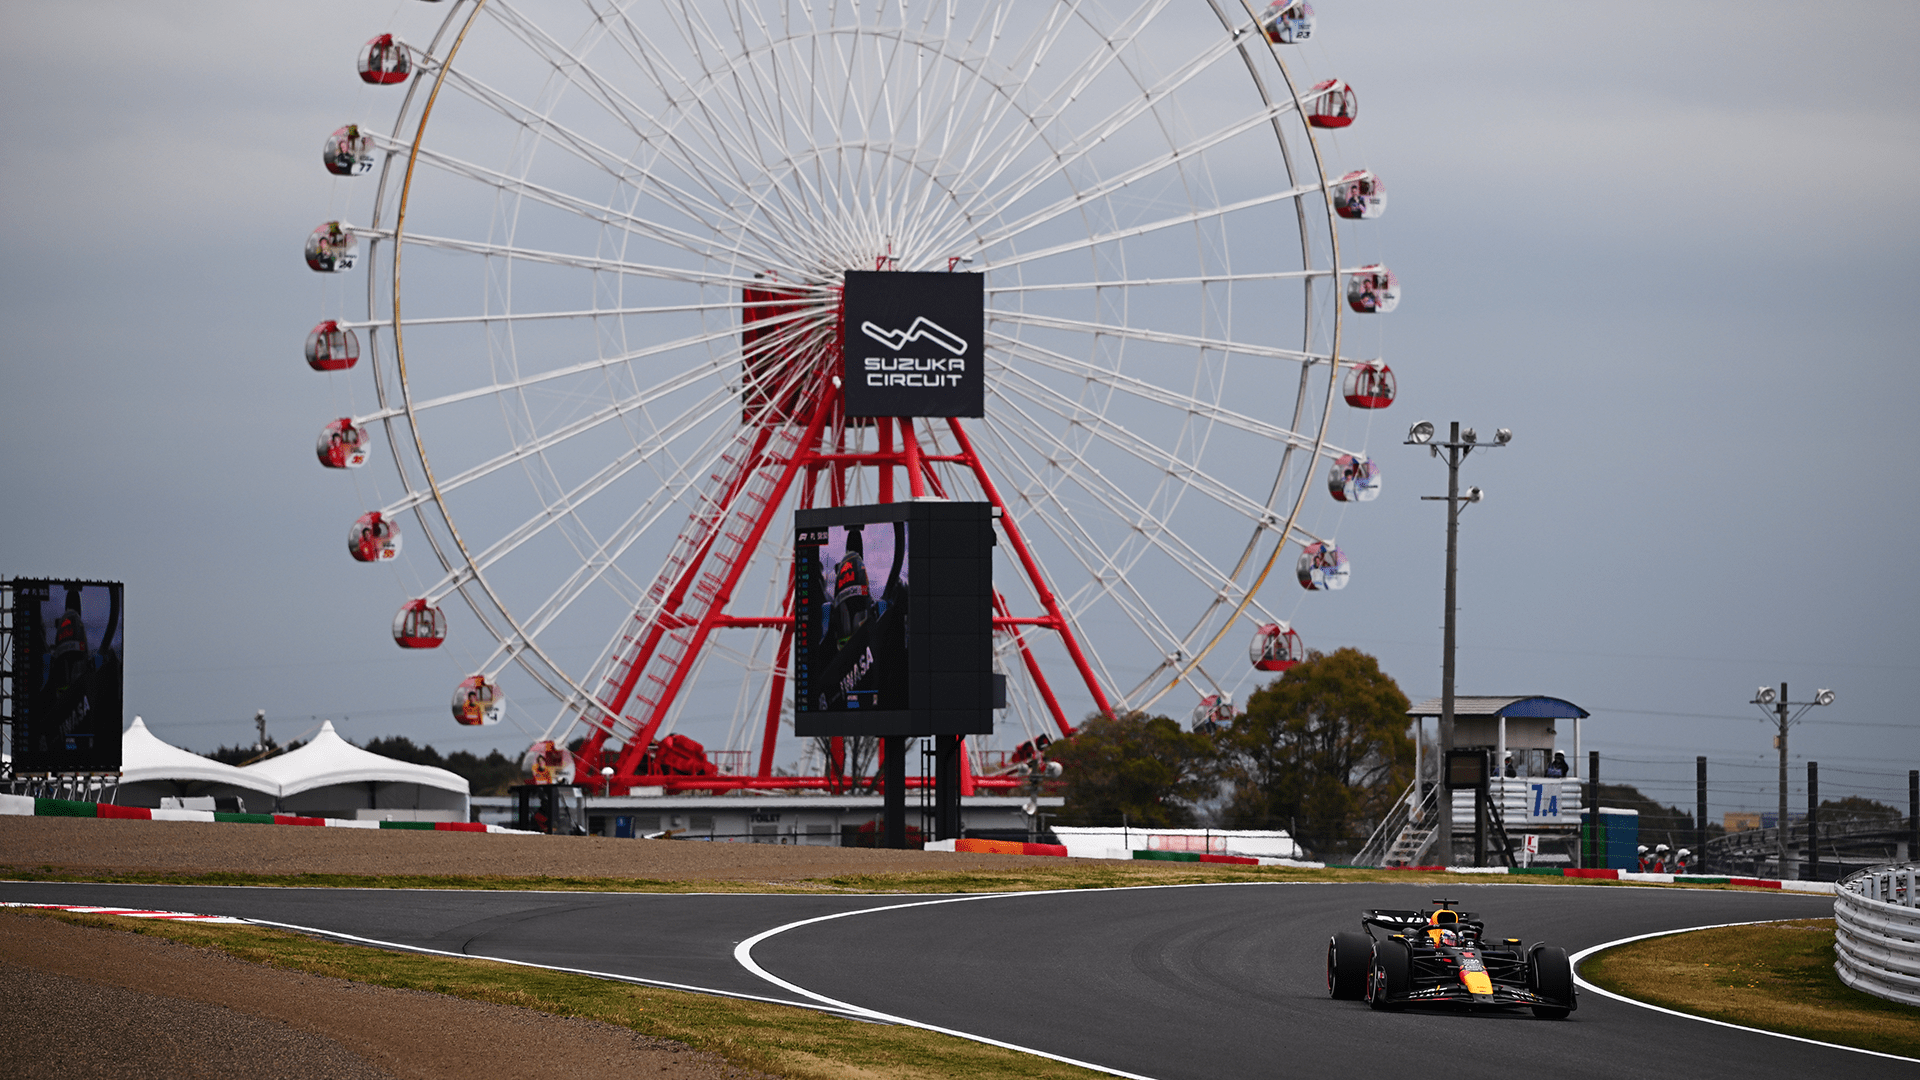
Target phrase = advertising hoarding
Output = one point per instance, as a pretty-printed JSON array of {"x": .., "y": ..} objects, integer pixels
[
  {"x": 913, "y": 344},
  {"x": 893, "y": 620},
  {"x": 68, "y": 666}
]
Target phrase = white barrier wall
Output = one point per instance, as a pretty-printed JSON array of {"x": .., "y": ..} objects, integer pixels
[
  {"x": 1096, "y": 843},
  {"x": 1524, "y": 800},
  {"x": 1877, "y": 933}
]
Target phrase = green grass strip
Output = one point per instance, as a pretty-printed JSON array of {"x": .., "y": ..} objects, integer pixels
[
  {"x": 244, "y": 819},
  {"x": 1538, "y": 871},
  {"x": 63, "y": 808},
  {"x": 1024, "y": 875},
  {"x": 1776, "y": 976},
  {"x": 790, "y": 1042},
  {"x": 419, "y": 826},
  {"x": 1168, "y": 856}
]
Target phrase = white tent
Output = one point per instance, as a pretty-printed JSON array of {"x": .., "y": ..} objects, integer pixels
[
  {"x": 151, "y": 770},
  {"x": 331, "y": 777}
]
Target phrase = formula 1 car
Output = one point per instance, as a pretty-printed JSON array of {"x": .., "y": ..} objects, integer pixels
[{"x": 1439, "y": 957}]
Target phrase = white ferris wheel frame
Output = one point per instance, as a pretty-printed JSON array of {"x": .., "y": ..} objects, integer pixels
[{"x": 1274, "y": 520}]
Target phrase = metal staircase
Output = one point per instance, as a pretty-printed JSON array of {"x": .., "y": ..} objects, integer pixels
[
  {"x": 1405, "y": 834},
  {"x": 690, "y": 586}
]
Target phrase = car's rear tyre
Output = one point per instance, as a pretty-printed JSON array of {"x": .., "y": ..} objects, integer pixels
[
  {"x": 1348, "y": 957},
  {"x": 1551, "y": 976},
  {"x": 1387, "y": 981}
]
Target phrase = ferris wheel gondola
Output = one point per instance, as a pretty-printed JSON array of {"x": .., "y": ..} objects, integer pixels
[
  {"x": 331, "y": 348},
  {"x": 342, "y": 444},
  {"x": 1276, "y": 647}
]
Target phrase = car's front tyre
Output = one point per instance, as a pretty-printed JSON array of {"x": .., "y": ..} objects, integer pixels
[
  {"x": 1551, "y": 976},
  {"x": 1349, "y": 956}
]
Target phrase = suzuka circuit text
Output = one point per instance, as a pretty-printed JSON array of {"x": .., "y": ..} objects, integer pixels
[{"x": 929, "y": 373}]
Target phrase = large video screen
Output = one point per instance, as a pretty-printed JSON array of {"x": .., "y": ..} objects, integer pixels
[
  {"x": 853, "y": 625},
  {"x": 893, "y": 619},
  {"x": 68, "y": 666}
]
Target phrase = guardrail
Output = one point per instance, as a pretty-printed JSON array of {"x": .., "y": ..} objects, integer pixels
[{"x": 1877, "y": 933}]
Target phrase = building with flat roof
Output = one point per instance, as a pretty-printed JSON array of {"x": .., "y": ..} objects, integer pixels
[{"x": 822, "y": 819}]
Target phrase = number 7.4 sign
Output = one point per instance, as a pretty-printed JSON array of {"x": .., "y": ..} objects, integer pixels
[{"x": 1546, "y": 800}]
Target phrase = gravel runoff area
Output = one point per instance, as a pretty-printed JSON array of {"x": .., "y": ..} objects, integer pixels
[
  {"x": 101, "y": 845},
  {"x": 82, "y": 1003}
]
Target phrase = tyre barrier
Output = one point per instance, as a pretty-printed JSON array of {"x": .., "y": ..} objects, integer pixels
[
  {"x": 1877, "y": 933},
  {"x": 1008, "y": 847}
]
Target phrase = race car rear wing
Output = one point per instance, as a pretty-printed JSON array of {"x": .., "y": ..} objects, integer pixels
[{"x": 1399, "y": 921}]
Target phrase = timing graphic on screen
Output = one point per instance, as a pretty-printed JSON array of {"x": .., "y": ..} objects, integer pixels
[{"x": 851, "y": 606}]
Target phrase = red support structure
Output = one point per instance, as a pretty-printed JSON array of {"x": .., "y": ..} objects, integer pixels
[
  {"x": 795, "y": 435},
  {"x": 634, "y": 751},
  {"x": 1031, "y": 566}
]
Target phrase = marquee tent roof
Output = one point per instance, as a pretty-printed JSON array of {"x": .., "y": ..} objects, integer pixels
[
  {"x": 330, "y": 759},
  {"x": 143, "y": 757}
]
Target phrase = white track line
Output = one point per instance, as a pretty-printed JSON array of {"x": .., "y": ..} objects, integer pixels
[
  {"x": 743, "y": 953},
  {"x": 337, "y": 935},
  {"x": 1584, "y": 984}
]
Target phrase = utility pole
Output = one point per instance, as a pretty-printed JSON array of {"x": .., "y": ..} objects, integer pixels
[
  {"x": 1458, "y": 445},
  {"x": 1781, "y": 708}
]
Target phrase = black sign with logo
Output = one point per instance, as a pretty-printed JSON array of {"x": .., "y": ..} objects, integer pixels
[{"x": 914, "y": 344}]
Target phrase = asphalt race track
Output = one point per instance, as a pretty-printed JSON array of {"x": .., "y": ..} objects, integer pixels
[{"x": 1171, "y": 983}]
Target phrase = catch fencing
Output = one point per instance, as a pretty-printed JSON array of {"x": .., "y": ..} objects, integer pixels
[{"x": 1877, "y": 939}]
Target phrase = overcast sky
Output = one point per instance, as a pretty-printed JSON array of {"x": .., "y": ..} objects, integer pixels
[{"x": 1671, "y": 252}]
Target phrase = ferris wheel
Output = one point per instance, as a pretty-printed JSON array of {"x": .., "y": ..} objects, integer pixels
[{"x": 604, "y": 246}]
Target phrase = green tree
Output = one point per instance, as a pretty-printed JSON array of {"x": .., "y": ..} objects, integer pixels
[
  {"x": 246, "y": 755},
  {"x": 491, "y": 775},
  {"x": 401, "y": 748},
  {"x": 1323, "y": 750},
  {"x": 1658, "y": 824},
  {"x": 1134, "y": 768},
  {"x": 1856, "y": 808}
]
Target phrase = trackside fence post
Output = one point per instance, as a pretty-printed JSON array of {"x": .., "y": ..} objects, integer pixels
[{"x": 1700, "y": 812}]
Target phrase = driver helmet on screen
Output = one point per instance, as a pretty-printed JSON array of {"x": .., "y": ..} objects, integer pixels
[
  {"x": 852, "y": 596},
  {"x": 1448, "y": 940}
]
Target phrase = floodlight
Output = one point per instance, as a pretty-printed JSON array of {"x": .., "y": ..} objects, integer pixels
[
  {"x": 1468, "y": 436},
  {"x": 1823, "y": 697},
  {"x": 1503, "y": 436},
  {"x": 1474, "y": 494},
  {"x": 606, "y": 770},
  {"x": 1054, "y": 768},
  {"x": 1420, "y": 432},
  {"x": 1764, "y": 695}
]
